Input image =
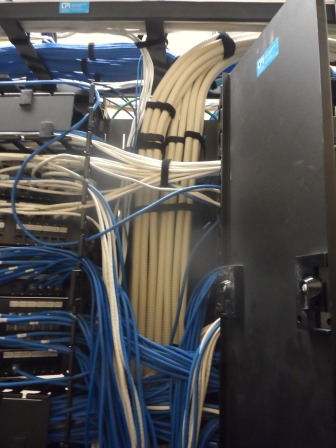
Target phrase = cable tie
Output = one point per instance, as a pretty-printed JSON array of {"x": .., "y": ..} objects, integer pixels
[
  {"x": 196, "y": 136},
  {"x": 152, "y": 145},
  {"x": 151, "y": 42},
  {"x": 30, "y": 59},
  {"x": 228, "y": 44},
  {"x": 174, "y": 139},
  {"x": 148, "y": 137},
  {"x": 84, "y": 66},
  {"x": 150, "y": 141},
  {"x": 165, "y": 172},
  {"x": 162, "y": 106},
  {"x": 91, "y": 54}
]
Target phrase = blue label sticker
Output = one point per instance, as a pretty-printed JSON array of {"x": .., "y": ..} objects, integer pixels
[
  {"x": 74, "y": 7},
  {"x": 268, "y": 57}
]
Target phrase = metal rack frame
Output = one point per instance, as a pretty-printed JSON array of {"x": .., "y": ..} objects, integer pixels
[
  {"x": 108, "y": 16},
  {"x": 155, "y": 18}
]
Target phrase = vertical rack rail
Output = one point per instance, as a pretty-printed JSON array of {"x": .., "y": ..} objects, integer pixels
[
  {"x": 224, "y": 151},
  {"x": 75, "y": 294}
]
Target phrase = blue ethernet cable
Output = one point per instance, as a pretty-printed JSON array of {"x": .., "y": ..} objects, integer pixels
[
  {"x": 186, "y": 273},
  {"x": 174, "y": 362},
  {"x": 114, "y": 62}
]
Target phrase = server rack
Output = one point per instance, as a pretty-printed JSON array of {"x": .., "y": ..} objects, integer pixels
[{"x": 31, "y": 17}]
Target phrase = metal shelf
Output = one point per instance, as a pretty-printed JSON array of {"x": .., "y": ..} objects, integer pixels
[
  {"x": 108, "y": 16},
  {"x": 119, "y": 15}
]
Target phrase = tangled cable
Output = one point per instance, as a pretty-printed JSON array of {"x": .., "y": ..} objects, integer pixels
[{"x": 147, "y": 370}]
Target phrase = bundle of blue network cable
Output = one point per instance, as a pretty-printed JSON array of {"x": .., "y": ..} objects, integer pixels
[
  {"x": 126, "y": 390},
  {"x": 96, "y": 410},
  {"x": 112, "y": 62}
]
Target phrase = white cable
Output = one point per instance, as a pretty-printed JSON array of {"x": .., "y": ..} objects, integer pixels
[
  {"x": 202, "y": 380},
  {"x": 108, "y": 246}
]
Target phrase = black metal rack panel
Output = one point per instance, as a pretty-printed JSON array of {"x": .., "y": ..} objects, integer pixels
[
  {"x": 244, "y": 11},
  {"x": 119, "y": 14},
  {"x": 279, "y": 379}
]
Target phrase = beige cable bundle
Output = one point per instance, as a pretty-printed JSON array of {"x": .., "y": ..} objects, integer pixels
[{"x": 161, "y": 240}]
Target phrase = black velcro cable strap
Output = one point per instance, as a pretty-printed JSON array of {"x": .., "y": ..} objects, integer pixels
[
  {"x": 150, "y": 141},
  {"x": 84, "y": 66},
  {"x": 165, "y": 172},
  {"x": 228, "y": 44},
  {"x": 174, "y": 139},
  {"x": 162, "y": 106},
  {"x": 197, "y": 136},
  {"x": 91, "y": 54},
  {"x": 85, "y": 70},
  {"x": 20, "y": 40},
  {"x": 36, "y": 61},
  {"x": 150, "y": 42}
]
